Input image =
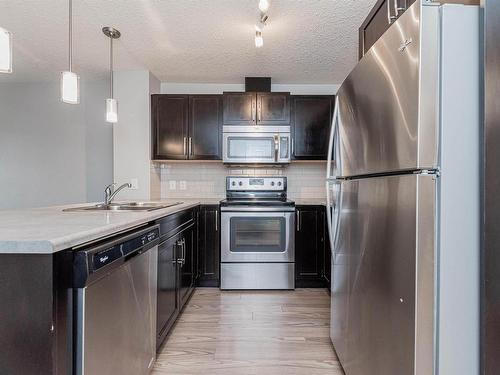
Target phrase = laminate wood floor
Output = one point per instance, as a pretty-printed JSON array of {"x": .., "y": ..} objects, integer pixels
[{"x": 250, "y": 333}]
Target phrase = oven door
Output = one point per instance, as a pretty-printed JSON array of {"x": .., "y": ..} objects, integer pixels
[
  {"x": 251, "y": 148},
  {"x": 257, "y": 237}
]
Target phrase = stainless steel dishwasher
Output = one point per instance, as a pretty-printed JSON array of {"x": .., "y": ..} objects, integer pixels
[{"x": 115, "y": 304}]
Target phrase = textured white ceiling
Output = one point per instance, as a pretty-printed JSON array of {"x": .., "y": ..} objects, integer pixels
[{"x": 306, "y": 41}]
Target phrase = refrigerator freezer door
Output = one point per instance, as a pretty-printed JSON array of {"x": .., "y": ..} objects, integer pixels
[
  {"x": 379, "y": 258},
  {"x": 386, "y": 124}
]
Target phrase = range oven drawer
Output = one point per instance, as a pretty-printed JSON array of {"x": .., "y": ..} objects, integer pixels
[{"x": 257, "y": 276}]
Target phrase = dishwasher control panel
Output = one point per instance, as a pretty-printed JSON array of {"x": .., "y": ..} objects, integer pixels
[{"x": 91, "y": 263}]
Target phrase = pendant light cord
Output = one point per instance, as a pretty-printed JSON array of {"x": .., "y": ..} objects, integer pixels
[
  {"x": 70, "y": 35},
  {"x": 111, "y": 65}
]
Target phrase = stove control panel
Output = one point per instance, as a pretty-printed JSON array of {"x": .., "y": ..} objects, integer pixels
[{"x": 256, "y": 183}]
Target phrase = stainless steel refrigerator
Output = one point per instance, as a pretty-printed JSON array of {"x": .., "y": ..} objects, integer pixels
[{"x": 403, "y": 199}]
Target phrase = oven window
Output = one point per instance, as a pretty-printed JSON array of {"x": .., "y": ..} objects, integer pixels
[
  {"x": 250, "y": 147},
  {"x": 258, "y": 234}
]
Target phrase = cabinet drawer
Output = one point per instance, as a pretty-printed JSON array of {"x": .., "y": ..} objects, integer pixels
[{"x": 172, "y": 224}]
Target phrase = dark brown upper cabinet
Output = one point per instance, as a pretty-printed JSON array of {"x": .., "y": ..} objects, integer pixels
[
  {"x": 240, "y": 108},
  {"x": 311, "y": 122},
  {"x": 205, "y": 127},
  {"x": 169, "y": 121},
  {"x": 382, "y": 15},
  {"x": 186, "y": 127},
  {"x": 250, "y": 108},
  {"x": 273, "y": 108}
]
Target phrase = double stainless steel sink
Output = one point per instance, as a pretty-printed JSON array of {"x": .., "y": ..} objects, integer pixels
[{"x": 126, "y": 206}]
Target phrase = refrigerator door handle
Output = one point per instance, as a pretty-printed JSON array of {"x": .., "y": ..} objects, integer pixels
[
  {"x": 332, "y": 141},
  {"x": 329, "y": 213},
  {"x": 337, "y": 206}
]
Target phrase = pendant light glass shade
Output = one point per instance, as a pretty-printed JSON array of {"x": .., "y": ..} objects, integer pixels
[
  {"x": 111, "y": 110},
  {"x": 70, "y": 87},
  {"x": 5, "y": 51}
]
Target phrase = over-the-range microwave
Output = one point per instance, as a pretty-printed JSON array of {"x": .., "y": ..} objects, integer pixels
[{"x": 256, "y": 145}]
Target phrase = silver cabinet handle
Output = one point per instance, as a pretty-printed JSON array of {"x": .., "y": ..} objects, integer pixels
[
  {"x": 179, "y": 245},
  {"x": 293, "y": 147},
  {"x": 253, "y": 110},
  {"x": 399, "y": 9},
  {"x": 216, "y": 220},
  {"x": 183, "y": 251},
  {"x": 184, "y": 144},
  {"x": 276, "y": 146},
  {"x": 190, "y": 146},
  {"x": 390, "y": 17},
  {"x": 259, "y": 110},
  {"x": 298, "y": 220}
]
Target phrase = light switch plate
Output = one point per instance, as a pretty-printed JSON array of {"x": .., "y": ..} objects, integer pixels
[
  {"x": 172, "y": 184},
  {"x": 182, "y": 185}
]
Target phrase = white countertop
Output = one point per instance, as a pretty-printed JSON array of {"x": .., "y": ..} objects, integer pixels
[
  {"x": 49, "y": 230},
  {"x": 310, "y": 201}
]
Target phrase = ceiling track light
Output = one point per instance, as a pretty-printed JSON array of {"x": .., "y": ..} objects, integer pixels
[
  {"x": 259, "y": 40},
  {"x": 5, "y": 51},
  {"x": 111, "y": 103},
  {"x": 263, "y": 5},
  {"x": 70, "y": 81}
]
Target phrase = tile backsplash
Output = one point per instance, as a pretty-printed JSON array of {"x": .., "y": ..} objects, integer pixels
[{"x": 208, "y": 179}]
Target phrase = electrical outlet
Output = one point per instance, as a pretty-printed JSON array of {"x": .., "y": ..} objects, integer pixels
[
  {"x": 135, "y": 183},
  {"x": 182, "y": 185},
  {"x": 172, "y": 185}
]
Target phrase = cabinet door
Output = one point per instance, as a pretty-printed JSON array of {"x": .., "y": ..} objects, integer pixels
[
  {"x": 273, "y": 108},
  {"x": 312, "y": 119},
  {"x": 308, "y": 247},
  {"x": 239, "y": 108},
  {"x": 205, "y": 127},
  {"x": 168, "y": 303},
  {"x": 169, "y": 126},
  {"x": 209, "y": 246},
  {"x": 379, "y": 20},
  {"x": 187, "y": 271}
]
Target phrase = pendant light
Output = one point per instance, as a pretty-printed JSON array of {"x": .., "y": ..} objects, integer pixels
[
  {"x": 5, "y": 51},
  {"x": 111, "y": 104},
  {"x": 70, "y": 81}
]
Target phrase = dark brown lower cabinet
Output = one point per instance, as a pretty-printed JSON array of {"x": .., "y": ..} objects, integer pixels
[
  {"x": 209, "y": 246},
  {"x": 310, "y": 247},
  {"x": 177, "y": 268},
  {"x": 168, "y": 301}
]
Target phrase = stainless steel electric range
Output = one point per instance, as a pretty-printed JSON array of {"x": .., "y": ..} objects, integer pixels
[{"x": 257, "y": 234}]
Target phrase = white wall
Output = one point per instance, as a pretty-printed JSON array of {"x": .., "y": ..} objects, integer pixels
[
  {"x": 219, "y": 88},
  {"x": 50, "y": 152},
  {"x": 132, "y": 134}
]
